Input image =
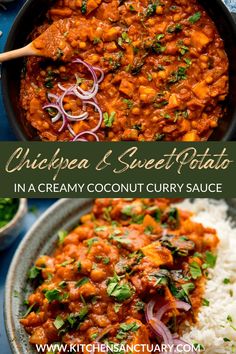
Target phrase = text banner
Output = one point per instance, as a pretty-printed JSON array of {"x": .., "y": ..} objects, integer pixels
[{"x": 45, "y": 170}]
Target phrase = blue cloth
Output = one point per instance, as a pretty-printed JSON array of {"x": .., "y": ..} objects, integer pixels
[
  {"x": 39, "y": 206},
  {"x": 231, "y": 4},
  {"x": 6, "y": 20}
]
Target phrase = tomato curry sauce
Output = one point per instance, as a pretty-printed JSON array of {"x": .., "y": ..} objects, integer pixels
[
  {"x": 166, "y": 71},
  {"x": 124, "y": 255}
]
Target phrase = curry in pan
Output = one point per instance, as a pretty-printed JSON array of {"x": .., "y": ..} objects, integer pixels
[{"x": 126, "y": 71}]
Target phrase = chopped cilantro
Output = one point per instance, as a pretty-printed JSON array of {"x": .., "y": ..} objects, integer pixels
[
  {"x": 129, "y": 103},
  {"x": 59, "y": 322},
  {"x": 106, "y": 260},
  {"x": 79, "y": 266},
  {"x": 52, "y": 295},
  {"x": 126, "y": 327},
  {"x": 90, "y": 243},
  {"x": 81, "y": 282},
  {"x": 84, "y": 7},
  {"x": 34, "y": 272},
  {"x": 94, "y": 336},
  {"x": 195, "y": 270},
  {"x": 109, "y": 119},
  {"x": 160, "y": 36},
  {"x": 117, "y": 307},
  {"x": 120, "y": 292},
  {"x": 29, "y": 310},
  {"x": 178, "y": 75},
  {"x": 97, "y": 40},
  {"x": 196, "y": 17},
  {"x": 198, "y": 346},
  {"x": 205, "y": 302},
  {"x": 139, "y": 306},
  {"x": 62, "y": 284},
  {"x": 159, "y": 137},
  {"x": 61, "y": 236},
  {"x": 131, "y": 8},
  {"x": 175, "y": 29},
  {"x": 188, "y": 287},
  {"x": 151, "y": 9},
  {"x": 210, "y": 260}
]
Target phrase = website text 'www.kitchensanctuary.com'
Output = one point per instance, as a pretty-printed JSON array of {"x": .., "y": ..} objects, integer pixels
[{"x": 117, "y": 348}]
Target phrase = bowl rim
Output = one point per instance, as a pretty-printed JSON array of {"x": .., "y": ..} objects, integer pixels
[
  {"x": 8, "y": 319},
  {"x": 17, "y": 126},
  {"x": 19, "y": 213}
]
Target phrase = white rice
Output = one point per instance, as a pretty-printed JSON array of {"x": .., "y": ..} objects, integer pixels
[{"x": 213, "y": 326}]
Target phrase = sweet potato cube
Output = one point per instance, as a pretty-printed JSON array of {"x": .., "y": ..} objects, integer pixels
[
  {"x": 191, "y": 136},
  {"x": 157, "y": 254},
  {"x": 173, "y": 101},
  {"x": 199, "y": 40},
  {"x": 201, "y": 90},
  {"x": 139, "y": 336},
  {"x": 149, "y": 221},
  {"x": 111, "y": 34},
  {"x": 146, "y": 94},
  {"x": 127, "y": 87},
  {"x": 92, "y": 5}
]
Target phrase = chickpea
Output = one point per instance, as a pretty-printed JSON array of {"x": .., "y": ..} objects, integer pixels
[
  {"x": 86, "y": 266},
  {"x": 209, "y": 79},
  {"x": 204, "y": 58},
  {"x": 155, "y": 119},
  {"x": 62, "y": 69},
  {"x": 136, "y": 111},
  {"x": 159, "y": 10},
  {"x": 162, "y": 74},
  {"x": 82, "y": 45},
  {"x": 97, "y": 275},
  {"x": 204, "y": 65},
  {"x": 187, "y": 41},
  {"x": 74, "y": 44},
  {"x": 213, "y": 124},
  {"x": 43, "y": 73}
]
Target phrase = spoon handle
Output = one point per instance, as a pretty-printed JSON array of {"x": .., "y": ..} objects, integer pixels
[{"x": 18, "y": 53}]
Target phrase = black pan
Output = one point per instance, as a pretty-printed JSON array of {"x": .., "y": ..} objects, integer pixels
[{"x": 32, "y": 12}]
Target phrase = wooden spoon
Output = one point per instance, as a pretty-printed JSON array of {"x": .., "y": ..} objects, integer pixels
[{"x": 51, "y": 44}]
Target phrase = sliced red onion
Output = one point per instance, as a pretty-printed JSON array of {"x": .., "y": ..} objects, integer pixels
[
  {"x": 51, "y": 95},
  {"x": 157, "y": 326},
  {"x": 96, "y": 68},
  {"x": 161, "y": 330},
  {"x": 87, "y": 95},
  {"x": 88, "y": 132},
  {"x": 87, "y": 98},
  {"x": 81, "y": 116},
  {"x": 64, "y": 123},
  {"x": 54, "y": 106},
  {"x": 149, "y": 310},
  {"x": 62, "y": 88},
  {"x": 178, "y": 304},
  {"x": 71, "y": 130},
  {"x": 100, "y": 115}
]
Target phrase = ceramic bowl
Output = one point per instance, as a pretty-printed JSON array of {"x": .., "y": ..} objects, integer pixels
[
  {"x": 11, "y": 231},
  {"x": 41, "y": 238}
]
